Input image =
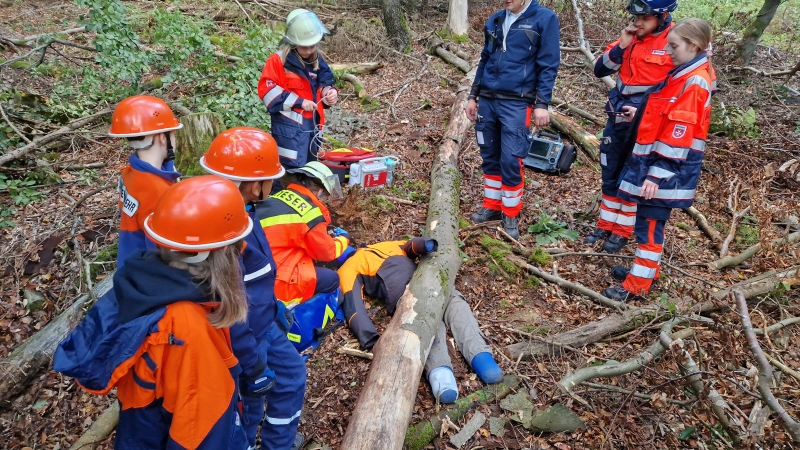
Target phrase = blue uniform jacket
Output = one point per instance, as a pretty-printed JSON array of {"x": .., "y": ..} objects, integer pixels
[
  {"x": 249, "y": 339},
  {"x": 526, "y": 69},
  {"x": 122, "y": 343}
]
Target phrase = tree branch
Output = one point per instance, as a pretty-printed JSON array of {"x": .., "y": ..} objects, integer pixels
[
  {"x": 764, "y": 370},
  {"x": 583, "y": 46},
  {"x": 749, "y": 252},
  {"x": 702, "y": 222}
]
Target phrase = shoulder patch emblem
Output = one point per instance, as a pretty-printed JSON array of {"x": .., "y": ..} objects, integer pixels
[
  {"x": 659, "y": 52},
  {"x": 129, "y": 204},
  {"x": 679, "y": 131}
]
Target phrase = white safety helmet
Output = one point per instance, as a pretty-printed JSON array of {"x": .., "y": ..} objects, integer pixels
[
  {"x": 324, "y": 175},
  {"x": 304, "y": 28}
]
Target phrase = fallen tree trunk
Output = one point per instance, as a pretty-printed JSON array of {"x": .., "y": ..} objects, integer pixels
[
  {"x": 70, "y": 127},
  {"x": 422, "y": 433},
  {"x": 358, "y": 86},
  {"x": 702, "y": 222},
  {"x": 633, "y": 317},
  {"x": 749, "y": 252},
  {"x": 437, "y": 49},
  {"x": 194, "y": 139},
  {"x": 583, "y": 139},
  {"x": 34, "y": 355},
  {"x": 383, "y": 411},
  {"x": 357, "y": 68},
  {"x": 100, "y": 429},
  {"x": 585, "y": 114}
]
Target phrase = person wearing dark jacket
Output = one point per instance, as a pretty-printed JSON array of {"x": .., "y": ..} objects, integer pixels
[
  {"x": 513, "y": 85},
  {"x": 249, "y": 157},
  {"x": 296, "y": 86},
  {"x": 382, "y": 271},
  {"x": 160, "y": 337},
  {"x": 640, "y": 60}
]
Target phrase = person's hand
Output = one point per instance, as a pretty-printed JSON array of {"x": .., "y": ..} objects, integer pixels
[
  {"x": 630, "y": 111},
  {"x": 308, "y": 105},
  {"x": 472, "y": 110},
  {"x": 649, "y": 189},
  {"x": 340, "y": 232},
  {"x": 331, "y": 96},
  {"x": 627, "y": 35},
  {"x": 541, "y": 117},
  {"x": 259, "y": 385}
]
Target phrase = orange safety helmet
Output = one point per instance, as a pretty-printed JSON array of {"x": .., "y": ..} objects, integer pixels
[
  {"x": 199, "y": 214},
  {"x": 142, "y": 115},
  {"x": 243, "y": 154}
]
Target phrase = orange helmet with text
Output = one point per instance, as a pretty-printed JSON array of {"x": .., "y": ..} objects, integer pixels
[
  {"x": 199, "y": 214},
  {"x": 142, "y": 115},
  {"x": 243, "y": 154}
]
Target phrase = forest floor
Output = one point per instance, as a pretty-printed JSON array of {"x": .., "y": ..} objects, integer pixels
[{"x": 412, "y": 99}]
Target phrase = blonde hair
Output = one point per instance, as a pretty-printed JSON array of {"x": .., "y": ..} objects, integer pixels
[
  {"x": 284, "y": 52},
  {"x": 694, "y": 31},
  {"x": 221, "y": 276}
]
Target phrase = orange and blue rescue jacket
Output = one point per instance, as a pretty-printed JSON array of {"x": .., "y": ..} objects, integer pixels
[
  {"x": 640, "y": 66},
  {"x": 671, "y": 137},
  {"x": 175, "y": 374},
  {"x": 140, "y": 187},
  {"x": 296, "y": 222}
]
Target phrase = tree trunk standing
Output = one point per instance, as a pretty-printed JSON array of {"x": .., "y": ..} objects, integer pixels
[
  {"x": 193, "y": 140},
  {"x": 383, "y": 411},
  {"x": 395, "y": 24},
  {"x": 752, "y": 34},
  {"x": 457, "y": 17}
]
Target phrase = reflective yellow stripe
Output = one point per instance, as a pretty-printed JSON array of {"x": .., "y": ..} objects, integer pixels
[
  {"x": 328, "y": 316},
  {"x": 285, "y": 219},
  {"x": 293, "y": 337},
  {"x": 294, "y": 201}
]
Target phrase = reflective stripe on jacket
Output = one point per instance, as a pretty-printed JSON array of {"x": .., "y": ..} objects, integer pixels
[
  {"x": 284, "y": 86},
  {"x": 295, "y": 223},
  {"x": 671, "y": 137}
]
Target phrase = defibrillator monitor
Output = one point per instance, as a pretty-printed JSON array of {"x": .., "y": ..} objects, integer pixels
[{"x": 547, "y": 153}]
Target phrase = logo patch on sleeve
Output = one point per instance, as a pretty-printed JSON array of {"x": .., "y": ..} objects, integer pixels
[
  {"x": 659, "y": 52},
  {"x": 679, "y": 131},
  {"x": 129, "y": 204}
]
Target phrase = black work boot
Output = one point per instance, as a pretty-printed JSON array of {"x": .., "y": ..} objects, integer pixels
[
  {"x": 485, "y": 215},
  {"x": 299, "y": 441},
  {"x": 596, "y": 236},
  {"x": 614, "y": 243},
  {"x": 511, "y": 226},
  {"x": 619, "y": 294},
  {"x": 619, "y": 273}
]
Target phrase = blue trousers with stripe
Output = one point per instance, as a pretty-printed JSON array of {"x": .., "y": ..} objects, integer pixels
[{"x": 284, "y": 402}]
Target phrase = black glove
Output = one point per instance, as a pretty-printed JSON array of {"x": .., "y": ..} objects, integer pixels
[{"x": 260, "y": 385}]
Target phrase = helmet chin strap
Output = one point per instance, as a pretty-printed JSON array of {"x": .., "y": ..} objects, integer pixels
[
  {"x": 198, "y": 258},
  {"x": 170, "y": 149}
]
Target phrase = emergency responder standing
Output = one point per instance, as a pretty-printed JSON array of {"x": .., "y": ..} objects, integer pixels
[
  {"x": 514, "y": 83},
  {"x": 296, "y": 86},
  {"x": 161, "y": 336},
  {"x": 640, "y": 60},
  {"x": 271, "y": 367},
  {"x": 667, "y": 155},
  {"x": 296, "y": 224},
  {"x": 148, "y": 125}
]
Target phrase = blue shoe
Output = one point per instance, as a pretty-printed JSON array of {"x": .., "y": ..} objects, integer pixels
[
  {"x": 443, "y": 384},
  {"x": 487, "y": 369}
]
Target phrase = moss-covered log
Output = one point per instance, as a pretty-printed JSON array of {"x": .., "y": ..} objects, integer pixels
[
  {"x": 422, "y": 433},
  {"x": 383, "y": 411},
  {"x": 35, "y": 354}
]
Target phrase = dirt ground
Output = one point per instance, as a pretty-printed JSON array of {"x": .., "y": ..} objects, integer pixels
[{"x": 413, "y": 95}]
